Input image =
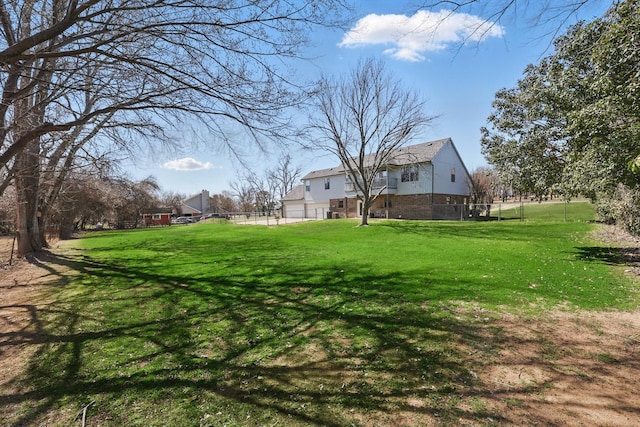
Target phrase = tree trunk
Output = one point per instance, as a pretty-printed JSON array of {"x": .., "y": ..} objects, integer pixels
[
  {"x": 66, "y": 230},
  {"x": 365, "y": 212},
  {"x": 27, "y": 214}
]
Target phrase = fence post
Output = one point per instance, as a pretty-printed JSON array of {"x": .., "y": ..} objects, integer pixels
[{"x": 15, "y": 235}]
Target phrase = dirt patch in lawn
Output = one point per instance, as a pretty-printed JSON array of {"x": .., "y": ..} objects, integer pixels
[
  {"x": 566, "y": 369},
  {"x": 560, "y": 369},
  {"x": 22, "y": 296},
  {"x": 569, "y": 368},
  {"x": 22, "y": 286}
]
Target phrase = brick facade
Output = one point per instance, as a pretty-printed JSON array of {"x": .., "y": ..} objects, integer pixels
[
  {"x": 414, "y": 206},
  {"x": 344, "y": 207}
]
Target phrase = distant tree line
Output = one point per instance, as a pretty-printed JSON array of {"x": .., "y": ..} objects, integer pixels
[{"x": 118, "y": 202}]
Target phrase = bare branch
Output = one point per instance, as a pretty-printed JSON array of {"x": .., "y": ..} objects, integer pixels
[{"x": 363, "y": 119}]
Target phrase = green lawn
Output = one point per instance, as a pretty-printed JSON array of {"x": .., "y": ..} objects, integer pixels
[
  {"x": 556, "y": 210},
  {"x": 321, "y": 323}
]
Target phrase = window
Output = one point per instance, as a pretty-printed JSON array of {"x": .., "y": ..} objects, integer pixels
[
  {"x": 156, "y": 217},
  {"x": 307, "y": 185},
  {"x": 340, "y": 204},
  {"x": 409, "y": 173},
  {"x": 453, "y": 174},
  {"x": 327, "y": 184}
]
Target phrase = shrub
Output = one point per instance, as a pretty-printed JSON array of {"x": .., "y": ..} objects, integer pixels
[{"x": 623, "y": 209}]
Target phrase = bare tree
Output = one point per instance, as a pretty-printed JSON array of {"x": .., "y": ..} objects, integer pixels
[
  {"x": 223, "y": 202},
  {"x": 81, "y": 200},
  {"x": 265, "y": 190},
  {"x": 363, "y": 119},
  {"x": 144, "y": 66},
  {"x": 285, "y": 175},
  {"x": 173, "y": 201},
  {"x": 85, "y": 198},
  {"x": 70, "y": 162},
  {"x": 551, "y": 15},
  {"x": 245, "y": 196},
  {"x": 482, "y": 189},
  {"x": 130, "y": 199},
  {"x": 270, "y": 187}
]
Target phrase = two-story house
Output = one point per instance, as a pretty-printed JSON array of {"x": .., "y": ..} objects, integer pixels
[{"x": 422, "y": 181}]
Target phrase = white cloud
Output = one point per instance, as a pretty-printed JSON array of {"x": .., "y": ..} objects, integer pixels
[
  {"x": 187, "y": 164},
  {"x": 412, "y": 37}
]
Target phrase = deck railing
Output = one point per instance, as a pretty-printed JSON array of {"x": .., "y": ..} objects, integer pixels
[{"x": 388, "y": 183}]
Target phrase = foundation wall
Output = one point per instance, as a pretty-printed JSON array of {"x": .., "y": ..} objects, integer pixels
[{"x": 415, "y": 206}]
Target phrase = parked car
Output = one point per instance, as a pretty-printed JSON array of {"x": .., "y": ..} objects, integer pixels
[{"x": 182, "y": 220}]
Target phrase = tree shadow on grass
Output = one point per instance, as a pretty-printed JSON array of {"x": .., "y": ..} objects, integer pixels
[
  {"x": 610, "y": 255},
  {"x": 280, "y": 343},
  {"x": 494, "y": 231}
]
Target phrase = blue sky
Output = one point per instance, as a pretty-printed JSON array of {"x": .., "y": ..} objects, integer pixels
[{"x": 457, "y": 80}]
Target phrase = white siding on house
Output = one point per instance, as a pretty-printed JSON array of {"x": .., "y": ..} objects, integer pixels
[
  {"x": 445, "y": 161},
  {"x": 293, "y": 205},
  {"x": 317, "y": 210},
  {"x": 294, "y": 209},
  {"x": 200, "y": 202},
  {"x": 319, "y": 195},
  {"x": 188, "y": 210},
  {"x": 421, "y": 186}
]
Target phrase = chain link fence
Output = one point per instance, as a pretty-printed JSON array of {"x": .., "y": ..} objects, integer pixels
[
  {"x": 534, "y": 211},
  {"x": 556, "y": 210},
  {"x": 261, "y": 218}
]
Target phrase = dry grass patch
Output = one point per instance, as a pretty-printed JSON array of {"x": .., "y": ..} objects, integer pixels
[{"x": 566, "y": 369}]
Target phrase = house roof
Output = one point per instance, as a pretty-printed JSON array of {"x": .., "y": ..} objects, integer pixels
[
  {"x": 418, "y": 153},
  {"x": 296, "y": 193},
  {"x": 188, "y": 210},
  {"x": 197, "y": 196},
  {"x": 324, "y": 172},
  {"x": 158, "y": 210}
]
